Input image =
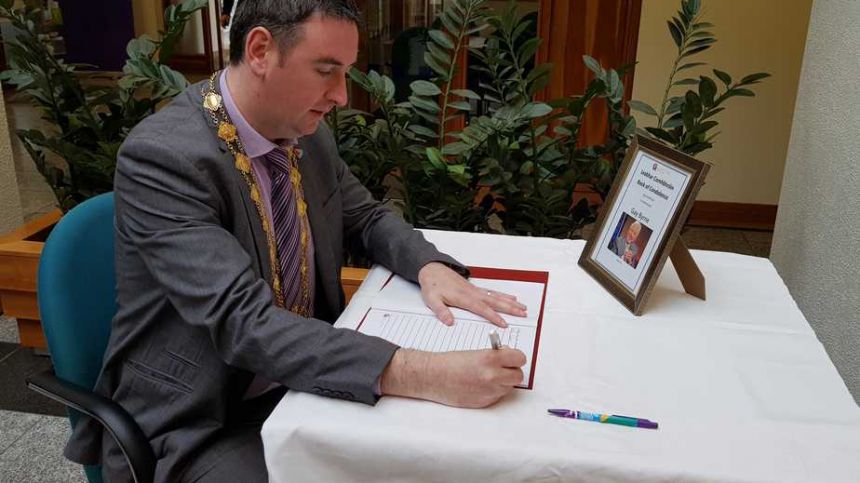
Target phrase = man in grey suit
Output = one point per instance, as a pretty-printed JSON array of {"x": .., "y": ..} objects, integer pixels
[{"x": 228, "y": 249}]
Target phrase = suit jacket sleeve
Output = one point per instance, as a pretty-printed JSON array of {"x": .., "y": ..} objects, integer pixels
[
  {"x": 386, "y": 237},
  {"x": 169, "y": 208}
]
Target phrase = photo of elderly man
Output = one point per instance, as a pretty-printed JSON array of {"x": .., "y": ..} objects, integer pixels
[{"x": 629, "y": 239}]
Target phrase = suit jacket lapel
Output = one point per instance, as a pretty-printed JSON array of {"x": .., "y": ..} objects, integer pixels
[
  {"x": 260, "y": 242},
  {"x": 324, "y": 257}
]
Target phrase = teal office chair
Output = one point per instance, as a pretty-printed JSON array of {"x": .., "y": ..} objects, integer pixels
[{"x": 77, "y": 300}]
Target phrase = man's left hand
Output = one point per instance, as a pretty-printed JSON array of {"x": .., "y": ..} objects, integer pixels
[{"x": 442, "y": 287}]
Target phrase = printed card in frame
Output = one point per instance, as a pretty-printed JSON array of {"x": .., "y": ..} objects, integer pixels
[{"x": 640, "y": 223}]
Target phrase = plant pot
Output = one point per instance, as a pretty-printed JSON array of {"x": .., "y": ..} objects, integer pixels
[{"x": 19, "y": 263}]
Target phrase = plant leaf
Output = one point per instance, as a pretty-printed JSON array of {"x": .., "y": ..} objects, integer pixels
[
  {"x": 753, "y": 78},
  {"x": 727, "y": 79},
  {"x": 686, "y": 82},
  {"x": 442, "y": 39},
  {"x": 695, "y": 51},
  {"x": 535, "y": 109},
  {"x": 642, "y": 107},
  {"x": 741, "y": 92},
  {"x": 593, "y": 65},
  {"x": 676, "y": 34},
  {"x": 707, "y": 91},
  {"x": 460, "y": 105},
  {"x": 423, "y": 131},
  {"x": 468, "y": 94},
  {"x": 662, "y": 135},
  {"x": 424, "y": 104},
  {"x": 437, "y": 67},
  {"x": 703, "y": 127},
  {"x": 700, "y": 42},
  {"x": 691, "y": 65},
  {"x": 425, "y": 88},
  {"x": 435, "y": 158},
  {"x": 694, "y": 102}
]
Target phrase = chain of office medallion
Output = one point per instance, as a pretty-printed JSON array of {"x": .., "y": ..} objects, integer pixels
[{"x": 212, "y": 102}]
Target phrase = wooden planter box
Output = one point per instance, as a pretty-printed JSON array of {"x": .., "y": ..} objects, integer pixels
[{"x": 19, "y": 263}]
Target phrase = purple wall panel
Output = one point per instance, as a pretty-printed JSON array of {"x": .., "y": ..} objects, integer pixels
[{"x": 97, "y": 31}]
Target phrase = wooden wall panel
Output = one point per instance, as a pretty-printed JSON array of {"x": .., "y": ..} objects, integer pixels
[{"x": 607, "y": 30}]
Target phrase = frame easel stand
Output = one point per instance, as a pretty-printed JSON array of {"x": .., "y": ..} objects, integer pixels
[{"x": 689, "y": 273}]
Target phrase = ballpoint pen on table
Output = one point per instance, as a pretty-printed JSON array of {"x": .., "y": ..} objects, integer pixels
[{"x": 604, "y": 418}]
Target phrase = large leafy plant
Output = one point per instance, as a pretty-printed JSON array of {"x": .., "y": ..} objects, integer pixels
[
  {"x": 88, "y": 122},
  {"x": 516, "y": 168},
  {"x": 687, "y": 121},
  {"x": 511, "y": 170}
]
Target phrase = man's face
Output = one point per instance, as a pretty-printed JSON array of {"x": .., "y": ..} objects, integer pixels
[
  {"x": 310, "y": 77},
  {"x": 632, "y": 233}
]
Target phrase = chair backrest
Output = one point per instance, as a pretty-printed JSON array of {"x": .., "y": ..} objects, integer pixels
[{"x": 77, "y": 289}]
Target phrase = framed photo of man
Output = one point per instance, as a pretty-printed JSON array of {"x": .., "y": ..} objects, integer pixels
[{"x": 640, "y": 222}]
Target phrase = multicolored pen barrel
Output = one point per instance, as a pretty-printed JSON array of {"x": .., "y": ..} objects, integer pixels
[{"x": 605, "y": 418}]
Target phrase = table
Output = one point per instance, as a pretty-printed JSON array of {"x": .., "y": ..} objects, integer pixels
[{"x": 742, "y": 389}]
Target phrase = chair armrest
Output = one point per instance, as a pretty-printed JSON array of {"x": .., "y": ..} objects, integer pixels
[{"x": 122, "y": 427}]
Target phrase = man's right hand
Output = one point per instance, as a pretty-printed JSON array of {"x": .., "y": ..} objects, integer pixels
[{"x": 469, "y": 379}]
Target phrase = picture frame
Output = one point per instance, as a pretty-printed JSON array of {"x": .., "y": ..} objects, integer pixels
[{"x": 640, "y": 222}]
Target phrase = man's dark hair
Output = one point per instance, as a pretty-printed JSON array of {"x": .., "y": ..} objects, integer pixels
[{"x": 283, "y": 18}]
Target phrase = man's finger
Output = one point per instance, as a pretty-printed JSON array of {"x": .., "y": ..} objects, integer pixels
[
  {"x": 501, "y": 295},
  {"x": 478, "y": 307},
  {"x": 507, "y": 306},
  {"x": 512, "y": 376},
  {"x": 488, "y": 313},
  {"x": 440, "y": 310},
  {"x": 513, "y": 358},
  {"x": 495, "y": 297}
]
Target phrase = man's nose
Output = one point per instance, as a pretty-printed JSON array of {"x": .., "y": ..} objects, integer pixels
[{"x": 337, "y": 94}]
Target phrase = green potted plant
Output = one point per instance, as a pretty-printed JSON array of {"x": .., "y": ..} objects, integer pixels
[
  {"x": 514, "y": 169},
  {"x": 510, "y": 170},
  {"x": 85, "y": 125},
  {"x": 686, "y": 121}
]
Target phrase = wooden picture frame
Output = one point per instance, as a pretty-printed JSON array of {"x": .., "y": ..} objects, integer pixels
[{"x": 655, "y": 189}]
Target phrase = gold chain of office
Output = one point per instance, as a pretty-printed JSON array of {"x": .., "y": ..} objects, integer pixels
[{"x": 213, "y": 103}]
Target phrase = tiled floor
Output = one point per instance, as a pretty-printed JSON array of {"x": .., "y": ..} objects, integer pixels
[
  {"x": 31, "y": 449},
  {"x": 33, "y": 429}
]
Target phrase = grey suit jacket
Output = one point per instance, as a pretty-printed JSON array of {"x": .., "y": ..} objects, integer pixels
[{"x": 196, "y": 318}]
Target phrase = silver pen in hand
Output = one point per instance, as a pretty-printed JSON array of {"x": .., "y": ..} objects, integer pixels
[{"x": 495, "y": 341}]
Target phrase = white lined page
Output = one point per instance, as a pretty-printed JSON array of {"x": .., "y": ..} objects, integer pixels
[{"x": 425, "y": 332}]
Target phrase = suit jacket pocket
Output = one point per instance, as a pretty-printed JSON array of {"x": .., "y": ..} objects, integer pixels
[{"x": 160, "y": 377}]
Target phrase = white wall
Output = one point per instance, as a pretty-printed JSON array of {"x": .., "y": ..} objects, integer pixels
[
  {"x": 816, "y": 245},
  {"x": 10, "y": 201}
]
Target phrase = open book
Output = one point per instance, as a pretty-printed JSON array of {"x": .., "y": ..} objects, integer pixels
[{"x": 398, "y": 314}]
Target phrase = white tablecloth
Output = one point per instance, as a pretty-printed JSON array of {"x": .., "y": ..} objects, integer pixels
[{"x": 740, "y": 385}]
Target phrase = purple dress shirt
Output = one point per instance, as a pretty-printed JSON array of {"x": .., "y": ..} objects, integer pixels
[{"x": 256, "y": 148}]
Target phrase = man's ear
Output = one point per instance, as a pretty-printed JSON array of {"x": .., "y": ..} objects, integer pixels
[{"x": 260, "y": 50}]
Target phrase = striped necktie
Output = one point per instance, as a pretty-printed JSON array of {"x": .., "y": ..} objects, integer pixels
[{"x": 291, "y": 230}]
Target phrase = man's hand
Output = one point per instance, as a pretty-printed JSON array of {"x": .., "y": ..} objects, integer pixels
[
  {"x": 442, "y": 287},
  {"x": 468, "y": 379}
]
